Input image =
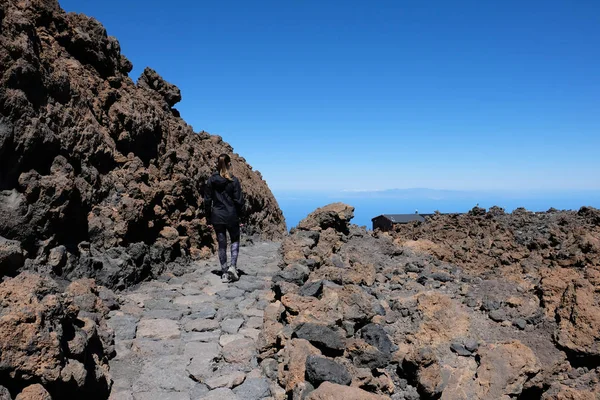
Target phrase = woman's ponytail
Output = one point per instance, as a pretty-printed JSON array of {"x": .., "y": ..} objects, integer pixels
[{"x": 223, "y": 164}]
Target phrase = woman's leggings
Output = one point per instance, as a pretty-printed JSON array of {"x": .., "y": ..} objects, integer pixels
[{"x": 234, "y": 235}]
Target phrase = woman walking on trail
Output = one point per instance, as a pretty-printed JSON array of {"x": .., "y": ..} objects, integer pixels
[{"x": 224, "y": 203}]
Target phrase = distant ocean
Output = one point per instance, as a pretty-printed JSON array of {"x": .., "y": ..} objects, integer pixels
[{"x": 297, "y": 205}]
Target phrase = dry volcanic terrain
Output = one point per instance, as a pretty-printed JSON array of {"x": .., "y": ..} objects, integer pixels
[
  {"x": 485, "y": 305},
  {"x": 101, "y": 183},
  {"x": 108, "y": 285},
  {"x": 99, "y": 177}
]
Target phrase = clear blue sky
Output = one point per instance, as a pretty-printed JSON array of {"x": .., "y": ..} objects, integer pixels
[{"x": 362, "y": 95}]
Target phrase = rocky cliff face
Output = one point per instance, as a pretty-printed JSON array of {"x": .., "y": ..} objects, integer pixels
[
  {"x": 479, "y": 306},
  {"x": 54, "y": 341},
  {"x": 99, "y": 177}
]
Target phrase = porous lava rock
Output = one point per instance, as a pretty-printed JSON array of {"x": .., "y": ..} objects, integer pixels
[
  {"x": 552, "y": 255},
  {"x": 439, "y": 311},
  {"x": 99, "y": 176},
  {"x": 54, "y": 341}
]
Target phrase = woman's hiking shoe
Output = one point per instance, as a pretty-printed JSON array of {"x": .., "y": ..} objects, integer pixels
[
  {"x": 233, "y": 274},
  {"x": 225, "y": 277}
]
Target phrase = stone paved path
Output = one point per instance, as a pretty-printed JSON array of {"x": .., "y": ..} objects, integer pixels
[{"x": 193, "y": 337}]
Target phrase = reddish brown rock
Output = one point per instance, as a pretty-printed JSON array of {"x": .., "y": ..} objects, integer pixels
[
  {"x": 34, "y": 392},
  {"x": 93, "y": 162},
  {"x": 333, "y": 391},
  {"x": 579, "y": 319},
  {"x": 335, "y": 215},
  {"x": 292, "y": 367},
  {"x": 12, "y": 256},
  {"x": 479, "y": 306},
  {"x": 44, "y": 333},
  {"x": 272, "y": 326},
  {"x": 504, "y": 369},
  {"x": 561, "y": 392}
]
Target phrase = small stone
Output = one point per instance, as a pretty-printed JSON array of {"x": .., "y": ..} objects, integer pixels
[
  {"x": 204, "y": 312},
  {"x": 250, "y": 333},
  {"x": 220, "y": 394},
  {"x": 321, "y": 369},
  {"x": 210, "y": 336},
  {"x": 229, "y": 381},
  {"x": 240, "y": 351},
  {"x": 312, "y": 288},
  {"x": 114, "y": 395},
  {"x": 159, "y": 329},
  {"x": 34, "y": 392},
  {"x": 153, "y": 348},
  {"x": 254, "y": 323},
  {"x": 231, "y": 293},
  {"x": 198, "y": 391},
  {"x": 163, "y": 314},
  {"x": 460, "y": 349},
  {"x": 412, "y": 268},
  {"x": 269, "y": 368},
  {"x": 160, "y": 304},
  {"x": 472, "y": 303},
  {"x": 320, "y": 336},
  {"x": 160, "y": 394},
  {"x": 490, "y": 305},
  {"x": 349, "y": 328},
  {"x": 497, "y": 315},
  {"x": 520, "y": 323},
  {"x": 202, "y": 357},
  {"x": 253, "y": 312},
  {"x": 226, "y": 339},
  {"x": 471, "y": 345},
  {"x": 376, "y": 336},
  {"x": 253, "y": 389},
  {"x": 4, "y": 394},
  {"x": 277, "y": 392},
  {"x": 231, "y": 325},
  {"x": 124, "y": 326},
  {"x": 295, "y": 273},
  {"x": 191, "y": 301},
  {"x": 201, "y": 325},
  {"x": 441, "y": 277},
  {"x": 250, "y": 284}
]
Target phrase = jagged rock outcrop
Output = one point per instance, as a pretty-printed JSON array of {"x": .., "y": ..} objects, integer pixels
[
  {"x": 53, "y": 341},
  {"x": 99, "y": 177},
  {"x": 554, "y": 255},
  {"x": 407, "y": 319}
]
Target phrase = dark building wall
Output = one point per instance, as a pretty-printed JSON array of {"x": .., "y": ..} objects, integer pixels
[{"x": 382, "y": 224}]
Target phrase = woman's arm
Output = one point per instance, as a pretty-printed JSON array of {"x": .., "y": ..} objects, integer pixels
[
  {"x": 208, "y": 193},
  {"x": 238, "y": 198}
]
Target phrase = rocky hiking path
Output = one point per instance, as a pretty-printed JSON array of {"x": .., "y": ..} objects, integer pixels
[{"x": 193, "y": 337}]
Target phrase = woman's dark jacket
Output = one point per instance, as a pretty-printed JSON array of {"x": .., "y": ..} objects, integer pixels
[{"x": 223, "y": 200}]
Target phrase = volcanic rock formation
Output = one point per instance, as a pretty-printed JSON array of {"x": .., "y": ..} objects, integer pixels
[
  {"x": 99, "y": 177},
  {"x": 53, "y": 341},
  {"x": 441, "y": 317}
]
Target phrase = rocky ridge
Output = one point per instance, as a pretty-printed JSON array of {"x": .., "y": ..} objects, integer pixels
[
  {"x": 554, "y": 256},
  {"x": 376, "y": 315},
  {"x": 99, "y": 176}
]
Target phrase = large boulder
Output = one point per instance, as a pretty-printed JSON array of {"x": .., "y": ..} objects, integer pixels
[
  {"x": 335, "y": 215},
  {"x": 58, "y": 339},
  {"x": 12, "y": 257},
  {"x": 578, "y": 317}
]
